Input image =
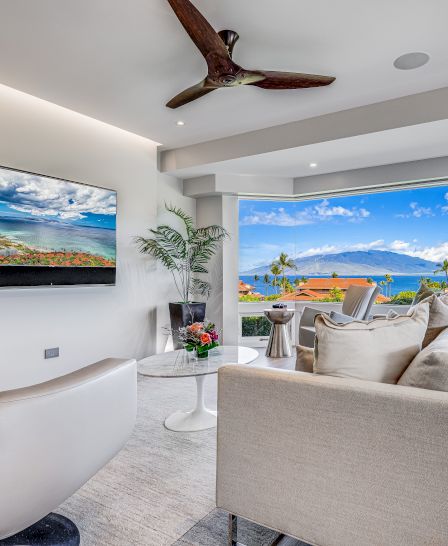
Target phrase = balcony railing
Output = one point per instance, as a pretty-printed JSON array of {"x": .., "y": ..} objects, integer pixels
[{"x": 256, "y": 333}]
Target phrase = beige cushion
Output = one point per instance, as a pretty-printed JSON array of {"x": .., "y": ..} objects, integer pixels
[
  {"x": 438, "y": 318},
  {"x": 429, "y": 369},
  {"x": 305, "y": 359},
  {"x": 378, "y": 350}
]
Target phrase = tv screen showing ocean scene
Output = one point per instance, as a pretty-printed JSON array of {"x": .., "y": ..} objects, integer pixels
[{"x": 51, "y": 222}]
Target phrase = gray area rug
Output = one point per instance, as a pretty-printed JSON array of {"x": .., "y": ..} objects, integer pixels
[
  {"x": 212, "y": 531},
  {"x": 161, "y": 484}
]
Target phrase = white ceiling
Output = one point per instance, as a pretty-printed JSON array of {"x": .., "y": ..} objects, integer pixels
[
  {"x": 120, "y": 62},
  {"x": 394, "y": 146}
]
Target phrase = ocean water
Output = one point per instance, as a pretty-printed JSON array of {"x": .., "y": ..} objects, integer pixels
[
  {"x": 56, "y": 236},
  {"x": 401, "y": 282}
]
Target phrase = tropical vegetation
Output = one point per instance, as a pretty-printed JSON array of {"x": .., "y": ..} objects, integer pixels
[
  {"x": 186, "y": 253},
  {"x": 443, "y": 268}
]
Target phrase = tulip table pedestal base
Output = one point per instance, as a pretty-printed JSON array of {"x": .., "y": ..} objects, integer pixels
[
  {"x": 199, "y": 418},
  {"x": 182, "y": 363}
]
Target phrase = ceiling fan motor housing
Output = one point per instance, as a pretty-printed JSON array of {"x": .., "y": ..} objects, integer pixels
[{"x": 230, "y": 38}]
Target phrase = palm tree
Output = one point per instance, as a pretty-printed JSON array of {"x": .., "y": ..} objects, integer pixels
[
  {"x": 382, "y": 284},
  {"x": 443, "y": 268},
  {"x": 185, "y": 254},
  {"x": 276, "y": 271},
  {"x": 285, "y": 262},
  {"x": 334, "y": 275},
  {"x": 256, "y": 278},
  {"x": 370, "y": 280},
  {"x": 266, "y": 282},
  {"x": 389, "y": 281}
]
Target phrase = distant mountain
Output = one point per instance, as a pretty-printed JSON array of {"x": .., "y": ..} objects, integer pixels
[{"x": 372, "y": 262}]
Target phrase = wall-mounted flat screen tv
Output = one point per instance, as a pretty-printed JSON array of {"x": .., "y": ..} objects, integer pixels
[{"x": 54, "y": 232}]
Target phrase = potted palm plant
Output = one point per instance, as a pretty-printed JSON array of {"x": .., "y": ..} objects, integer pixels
[{"x": 185, "y": 254}]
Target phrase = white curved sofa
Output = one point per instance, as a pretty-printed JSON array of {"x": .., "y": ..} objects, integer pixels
[{"x": 56, "y": 435}]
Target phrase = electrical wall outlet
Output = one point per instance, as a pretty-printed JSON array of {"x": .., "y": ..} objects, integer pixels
[{"x": 52, "y": 353}]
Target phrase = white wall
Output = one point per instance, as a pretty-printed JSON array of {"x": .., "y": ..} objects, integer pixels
[
  {"x": 88, "y": 324},
  {"x": 170, "y": 193}
]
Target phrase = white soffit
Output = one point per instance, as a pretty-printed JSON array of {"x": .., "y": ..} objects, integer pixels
[{"x": 405, "y": 144}]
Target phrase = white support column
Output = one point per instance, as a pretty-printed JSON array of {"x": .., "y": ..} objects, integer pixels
[
  {"x": 222, "y": 306},
  {"x": 230, "y": 269}
]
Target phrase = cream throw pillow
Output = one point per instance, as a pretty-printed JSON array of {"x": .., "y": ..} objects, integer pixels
[
  {"x": 438, "y": 318},
  {"x": 429, "y": 369},
  {"x": 379, "y": 350},
  {"x": 305, "y": 359}
]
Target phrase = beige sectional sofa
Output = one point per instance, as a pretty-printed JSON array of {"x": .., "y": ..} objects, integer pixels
[{"x": 333, "y": 461}]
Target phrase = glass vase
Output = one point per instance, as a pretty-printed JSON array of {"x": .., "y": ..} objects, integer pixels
[{"x": 202, "y": 353}]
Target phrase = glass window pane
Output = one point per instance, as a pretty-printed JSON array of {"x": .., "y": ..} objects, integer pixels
[{"x": 313, "y": 250}]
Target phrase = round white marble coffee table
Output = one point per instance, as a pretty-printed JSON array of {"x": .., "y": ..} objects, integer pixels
[{"x": 181, "y": 363}]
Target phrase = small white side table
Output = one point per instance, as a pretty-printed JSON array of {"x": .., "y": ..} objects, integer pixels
[{"x": 181, "y": 363}]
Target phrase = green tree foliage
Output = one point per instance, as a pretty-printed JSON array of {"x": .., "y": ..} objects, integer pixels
[
  {"x": 266, "y": 282},
  {"x": 336, "y": 294},
  {"x": 249, "y": 298},
  {"x": 403, "y": 298},
  {"x": 443, "y": 268},
  {"x": 255, "y": 326},
  {"x": 389, "y": 281},
  {"x": 284, "y": 262},
  {"x": 185, "y": 254},
  {"x": 275, "y": 271}
]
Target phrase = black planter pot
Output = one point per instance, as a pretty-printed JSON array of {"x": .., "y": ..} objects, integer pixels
[{"x": 183, "y": 314}]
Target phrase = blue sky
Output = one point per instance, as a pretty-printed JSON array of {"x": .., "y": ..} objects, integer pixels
[
  {"x": 26, "y": 195},
  {"x": 413, "y": 222}
]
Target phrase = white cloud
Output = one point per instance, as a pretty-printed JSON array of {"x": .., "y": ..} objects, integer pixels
[
  {"x": 40, "y": 196},
  {"x": 334, "y": 249},
  {"x": 323, "y": 211},
  {"x": 399, "y": 245},
  {"x": 419, "y": 211},
  {"x": 445, "y": 208},
  {"x": 416, "y": 211},
  {"x": 326, "y": 249},
  {"x": 378, "y": 244},
  {"x": 277, "y": 217},
  {"x": 432, "y": 253}
]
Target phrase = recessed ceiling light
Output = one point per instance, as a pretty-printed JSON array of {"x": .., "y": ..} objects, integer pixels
[
  {"x": 409, "y": 61},
  {"x": 313, "y": 165},
  {"x": 180, "y": 123}
]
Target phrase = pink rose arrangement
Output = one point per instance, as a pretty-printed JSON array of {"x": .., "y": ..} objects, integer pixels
[{"x": 199, "y": 336}]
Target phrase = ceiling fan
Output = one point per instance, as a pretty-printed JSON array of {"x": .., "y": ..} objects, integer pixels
[{"x": 217, "y": 49}]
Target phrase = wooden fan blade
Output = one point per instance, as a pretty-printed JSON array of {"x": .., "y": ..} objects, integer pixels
[
  {"x": 198, "y": 28},
  {"x": 192, "y": 93},
  {"x": 289, "y": 80}
]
